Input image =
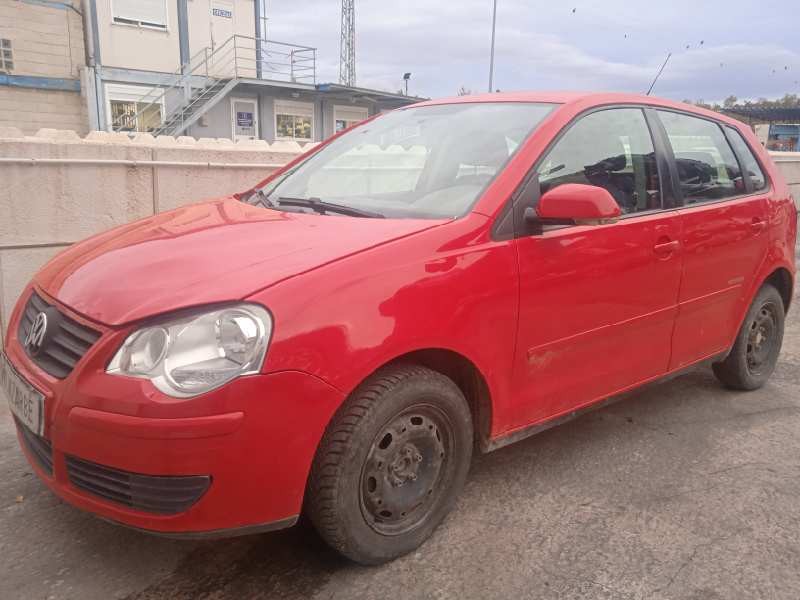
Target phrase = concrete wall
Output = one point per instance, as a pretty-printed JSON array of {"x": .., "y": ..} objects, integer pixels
[
  {"x": 45, "y": 207},
  {"x": 789, "y": 164},
  {"x": 133, "y": 47},
  {"x": 207, "y": 30},
  {"x": 47, "y": 40},
  {"x": 56, "y": 188},
  {"x": 47, "y": 46},
  {"x": 147, "y": 49},
  {"x": 32, "y": 109}
]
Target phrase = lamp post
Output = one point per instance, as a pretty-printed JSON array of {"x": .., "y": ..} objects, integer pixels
[{"x": 491, "y": 56}]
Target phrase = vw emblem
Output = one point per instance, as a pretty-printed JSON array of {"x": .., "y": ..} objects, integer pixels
[{"x": 35, "y": 338}]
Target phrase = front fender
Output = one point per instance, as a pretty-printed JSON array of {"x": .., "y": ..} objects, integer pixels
[{"x": 449, "y": 288}]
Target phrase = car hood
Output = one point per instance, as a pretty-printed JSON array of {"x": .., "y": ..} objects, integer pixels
[{"x": 204, "y": 253}]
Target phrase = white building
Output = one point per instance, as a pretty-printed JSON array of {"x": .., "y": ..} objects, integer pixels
[{"x": 180, "y": 67}]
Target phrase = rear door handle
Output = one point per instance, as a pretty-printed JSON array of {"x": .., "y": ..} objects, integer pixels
[
  {"x": 758, "y": 225},
  {"x": 667, "y": 247}
]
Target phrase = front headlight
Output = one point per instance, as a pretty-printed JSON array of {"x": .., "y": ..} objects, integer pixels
[{"x": 193, "y": 355}]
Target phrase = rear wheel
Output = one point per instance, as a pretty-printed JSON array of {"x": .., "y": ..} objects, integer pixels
[
  {"x": 391, "y": 464},
  {"x": 758, "y": 344}
]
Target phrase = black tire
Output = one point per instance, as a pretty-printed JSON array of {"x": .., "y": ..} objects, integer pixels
[
  {"x": 391, "y": 464},
  {"x": 758, "y": 344}
]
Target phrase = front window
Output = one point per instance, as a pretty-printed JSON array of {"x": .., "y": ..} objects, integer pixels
[
  {"x": 611, "y": 149},
  {"x": 6, "y": 56},
  {"x": 140, "y": 13},
  {"x": 294, "y": 121},
  {"x": 132, "y": 109},
  {"x": 345, "y": 117},
  {"x": 135, "y": 116},
  {"x": 424, "y": 162}
]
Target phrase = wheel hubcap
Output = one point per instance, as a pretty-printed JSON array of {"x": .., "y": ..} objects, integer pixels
[
  {"x": 761, "y": 338},
  {"x": 401, "y": 477}
]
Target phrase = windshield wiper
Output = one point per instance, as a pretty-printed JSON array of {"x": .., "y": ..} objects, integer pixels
[
  {"x": 262, "y": 199},
  {"x": 322, "y": 207}
]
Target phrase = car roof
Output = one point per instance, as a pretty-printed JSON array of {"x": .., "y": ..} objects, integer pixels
[{"x": 584, "y": 100}]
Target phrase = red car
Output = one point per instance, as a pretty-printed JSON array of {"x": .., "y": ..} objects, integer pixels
[{"x": 463, "y": 272}]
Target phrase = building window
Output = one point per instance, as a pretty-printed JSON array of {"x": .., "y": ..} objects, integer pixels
[
  {"x": 345, "y": 117},
  {"x": 130, "y": 110},
  {"x": 6, "y": 56},
  {"x": 294, "y": 121},
  {"x": 141, "y": 13}
]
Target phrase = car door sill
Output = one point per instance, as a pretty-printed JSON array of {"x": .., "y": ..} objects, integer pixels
[{"x": 538, "y": 427}]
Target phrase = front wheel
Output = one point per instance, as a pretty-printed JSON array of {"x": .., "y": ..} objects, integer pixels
[
  {"x": 755, "y": 351},
  {"x": 391, "y": 464}
]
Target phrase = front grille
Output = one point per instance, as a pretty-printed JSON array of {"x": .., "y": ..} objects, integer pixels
[
  {"x": 38, "y": 447},
  {"x": 164, "y": 495},
  {"x": 65, "y": 342}
]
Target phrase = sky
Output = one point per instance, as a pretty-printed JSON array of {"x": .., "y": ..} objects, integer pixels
[{"x": 746, "y": 48}]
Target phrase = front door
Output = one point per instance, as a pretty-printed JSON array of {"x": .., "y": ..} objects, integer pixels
[
  {"x": 597, "y": 302},
  {"x": 244, "y": 118},
  {"x": 223, "y": 60},
  {"x": 724, "y": 236}
]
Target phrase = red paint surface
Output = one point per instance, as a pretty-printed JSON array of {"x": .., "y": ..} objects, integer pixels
[
  {"x": 579, "y": 202},
  {"x": 552, "y": 322}
]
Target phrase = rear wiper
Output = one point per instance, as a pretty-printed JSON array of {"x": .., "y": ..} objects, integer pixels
[{"x": 322, "y": 207}]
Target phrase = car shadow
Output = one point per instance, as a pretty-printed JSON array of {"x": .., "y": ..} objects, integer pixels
[{"x": 296, "y": 563}]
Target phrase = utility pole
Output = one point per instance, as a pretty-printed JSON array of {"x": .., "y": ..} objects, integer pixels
[
  {"x": 347, "y": 45},
  {"x": 491, "y": 56}
]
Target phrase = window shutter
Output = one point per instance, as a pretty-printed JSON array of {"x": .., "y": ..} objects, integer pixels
[
  {"x": 298, "y": 109},
  {"x": 350, "y": 113},
  {"x": 144, "y": 11}
]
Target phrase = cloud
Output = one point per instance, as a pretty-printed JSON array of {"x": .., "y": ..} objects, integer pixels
[{"x": 614, "y": 45}]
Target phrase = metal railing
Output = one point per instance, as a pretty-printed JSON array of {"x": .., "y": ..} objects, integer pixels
[{"x": 207, "y": 74}]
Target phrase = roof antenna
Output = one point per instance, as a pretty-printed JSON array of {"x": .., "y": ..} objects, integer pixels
[{"x": 661, "y": 70}]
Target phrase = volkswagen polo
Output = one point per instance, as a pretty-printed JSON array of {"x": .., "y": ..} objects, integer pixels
[{"x": 457, "y": 274}]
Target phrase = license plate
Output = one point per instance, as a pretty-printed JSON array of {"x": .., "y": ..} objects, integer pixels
[{"x": 26, "y": 403}]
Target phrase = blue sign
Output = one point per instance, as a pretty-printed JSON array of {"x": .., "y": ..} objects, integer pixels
[
  {"x": 221, "y": 12},
  {"x": 244, "y": 119}
]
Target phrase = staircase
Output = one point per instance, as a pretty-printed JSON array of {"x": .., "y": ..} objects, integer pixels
[
  {"x": 198, "y": 104},
  {"x": 210, "y": 75}
]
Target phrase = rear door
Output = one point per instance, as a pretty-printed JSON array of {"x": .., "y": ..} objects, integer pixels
[
  {"x": 724, "y": 220},
  {"x": 597, "y": 302}
]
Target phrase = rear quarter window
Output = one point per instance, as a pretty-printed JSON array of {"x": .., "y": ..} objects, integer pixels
[
  {"x": 749, "y": 161},
  {"x": 707, "y": 167}
]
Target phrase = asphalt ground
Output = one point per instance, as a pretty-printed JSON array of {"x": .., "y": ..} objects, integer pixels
[{"x": 683, "y": 490}]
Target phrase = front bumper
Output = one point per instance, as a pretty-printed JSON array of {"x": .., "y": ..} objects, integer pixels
[{"x": 254, "y": 438}]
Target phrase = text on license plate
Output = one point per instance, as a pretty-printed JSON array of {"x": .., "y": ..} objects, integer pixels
[{"x": 25, "y": 402}]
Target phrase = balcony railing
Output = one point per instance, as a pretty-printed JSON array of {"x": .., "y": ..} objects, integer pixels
[
  {"x": 239, "y": 57},
  {"x": 255, "y": 58}
]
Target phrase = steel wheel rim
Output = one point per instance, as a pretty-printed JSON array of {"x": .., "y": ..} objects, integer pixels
[
  {"x": 403, "y": 474},
  {"x": 761, "y": 338}
]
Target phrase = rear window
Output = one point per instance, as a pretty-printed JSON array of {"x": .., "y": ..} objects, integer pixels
[
  {"x": 707, "y": 167},
  {"x": 749, "y": 162}
]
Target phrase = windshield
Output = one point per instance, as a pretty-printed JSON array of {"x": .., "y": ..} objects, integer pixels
[{"x": 425, "y": 162}]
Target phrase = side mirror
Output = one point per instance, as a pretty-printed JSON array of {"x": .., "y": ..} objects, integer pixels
[{"x": 584, "y": 204}]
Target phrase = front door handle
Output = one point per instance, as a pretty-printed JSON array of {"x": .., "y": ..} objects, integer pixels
[
  {"x": 758, "y": 225},
  {"x": 667, "y": 247}
]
